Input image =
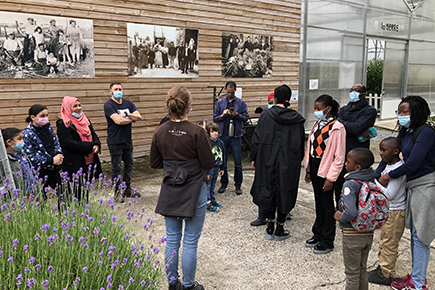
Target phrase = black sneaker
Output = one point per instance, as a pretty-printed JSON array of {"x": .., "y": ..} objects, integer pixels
[
  {"x": 311, "y": 243},
  {"x": 238, "y": 191},
  {"x": 258, "y": 222},
  {"x": 378, "y": 278},
  {"x": 373, "y": 272},
  {"x": 130, "y": 193},
  {"x": 319, "y": 249},
  {"x": 222, "y": 188},
  {"x": 195, "y": 286},
  {"x": 176, "y": 285}
]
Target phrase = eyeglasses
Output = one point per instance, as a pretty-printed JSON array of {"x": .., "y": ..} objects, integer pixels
[{"x": 402, "y": 113}]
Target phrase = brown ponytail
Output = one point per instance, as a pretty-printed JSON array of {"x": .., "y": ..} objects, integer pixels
[{"x": 177, "y": 101}]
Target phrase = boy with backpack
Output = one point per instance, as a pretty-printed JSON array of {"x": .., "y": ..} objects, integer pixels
[
  {"x": 356, "y": 243},
  {"x": 392, "y": 231}
]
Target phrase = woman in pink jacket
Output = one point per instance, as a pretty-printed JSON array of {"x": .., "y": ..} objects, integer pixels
[{"x": 324, "y": 159}]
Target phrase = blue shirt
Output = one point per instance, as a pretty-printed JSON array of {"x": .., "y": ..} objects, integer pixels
[
  {"x": 28, "y": 177},
  {"x": 243, "y": 116}
]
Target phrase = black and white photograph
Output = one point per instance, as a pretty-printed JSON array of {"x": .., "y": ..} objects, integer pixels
[
  {"x": 246, "y": 55},
  {"x": 39, "y": 46},
  {"x": 162, "y": 51}
]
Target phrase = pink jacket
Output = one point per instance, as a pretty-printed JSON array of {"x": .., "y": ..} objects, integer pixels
[{"x": 334, "y": 156}]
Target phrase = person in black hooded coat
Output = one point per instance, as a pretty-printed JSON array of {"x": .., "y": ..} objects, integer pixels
[{"x": 277, "y": 149}]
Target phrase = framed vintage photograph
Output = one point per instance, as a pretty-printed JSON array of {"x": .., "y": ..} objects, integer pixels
[
  {"x": 246, "y": 55},
  {"x": 162, "y": 51},
  {"x": 39, "y": 46}
]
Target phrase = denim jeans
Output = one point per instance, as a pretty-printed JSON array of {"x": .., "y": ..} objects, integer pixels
[
  {"x": 214, "y": 173},
  {"x": 420, "y": 259},
  {"x": 122, "y": 152},
  {"x": 192, "y": 233},
  {"x": 235, "y": 144}
]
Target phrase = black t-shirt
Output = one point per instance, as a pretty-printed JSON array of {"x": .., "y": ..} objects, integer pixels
[{"x": 118, "y": 134}]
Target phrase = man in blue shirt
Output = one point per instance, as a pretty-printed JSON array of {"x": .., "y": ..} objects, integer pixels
[
  {"x": 230, "y": 113},
  {"x": 120, "y": 114}
]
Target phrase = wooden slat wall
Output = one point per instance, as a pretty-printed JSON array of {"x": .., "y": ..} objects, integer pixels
[{"x": 280, "y": 19}]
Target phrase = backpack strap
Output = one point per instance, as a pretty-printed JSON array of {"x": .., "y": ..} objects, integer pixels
[{"x": 417, "y": 132}]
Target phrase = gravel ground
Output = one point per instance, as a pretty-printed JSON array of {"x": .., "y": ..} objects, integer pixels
[{"x": 234, "y": 255}]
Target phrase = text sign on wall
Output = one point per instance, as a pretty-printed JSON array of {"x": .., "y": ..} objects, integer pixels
[{"x": 388, "y": 26}]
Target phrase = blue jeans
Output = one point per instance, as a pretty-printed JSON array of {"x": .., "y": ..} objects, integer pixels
[
  {"x": 192, "y": 233},
  {"x": 214, "y": 173},
  {"x": 118, "y": 153},
  {"x": 235, "y": 144},
  {"x": 420, "y": 259}
]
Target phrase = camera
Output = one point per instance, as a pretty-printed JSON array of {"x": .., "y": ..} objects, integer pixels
[{"x": 232, "y": 108}]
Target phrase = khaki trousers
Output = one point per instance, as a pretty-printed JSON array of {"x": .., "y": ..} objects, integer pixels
[
  {"x": 356, "y": 250},
  {"x": 391, "y": 233}
]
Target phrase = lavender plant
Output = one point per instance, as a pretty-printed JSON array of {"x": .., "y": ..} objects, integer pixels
[{"x": 73, "y": 244}]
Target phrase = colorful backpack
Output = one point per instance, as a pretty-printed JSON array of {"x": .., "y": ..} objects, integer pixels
[{"x": 372, "y": 208}]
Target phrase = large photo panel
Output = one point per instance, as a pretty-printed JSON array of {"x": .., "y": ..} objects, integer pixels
[
  {"x": 246, "y": 55},
  {"x": 162, "y": 51},
  {"x": 39, "y": 46}
]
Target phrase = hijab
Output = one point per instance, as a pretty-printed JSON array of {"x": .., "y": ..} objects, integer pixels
[{"x": 81, "y": 123}]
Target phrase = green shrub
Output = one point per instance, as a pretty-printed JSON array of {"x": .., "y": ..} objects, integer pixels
[{"x": 75, "y": 245}]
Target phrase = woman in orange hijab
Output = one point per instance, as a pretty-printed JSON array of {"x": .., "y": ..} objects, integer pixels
[{"x": 78, "y": 139}]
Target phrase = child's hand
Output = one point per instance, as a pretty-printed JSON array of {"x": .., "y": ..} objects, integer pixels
[
  {"x": 221, "y": 173},
  {"x": 253, "y": 164},
  {"x": 327, "y": 186},
  {"x": 208, "y": 177},
  {"x": 384, "y": 179},
  {"x": 307, "y": 177},
  {"x": 337, "y": 215}
]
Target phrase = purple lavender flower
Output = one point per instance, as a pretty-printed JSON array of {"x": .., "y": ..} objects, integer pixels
[
  {"x": 90, "y": 218},
  {"x": 11, "y": 259},
  {"x": 32, "y": 260},
  {"x": 124, "y": 260},
  {"x": 50, "y": 269},
  {"x": 121, "y": 287},
  {"x": 151, "y": 283},
  {"x": 127, "y": 236},
  {"x": 26, "y": 247},
  {"x": 131, "y": 280},
  {"x": 19, "y": 277},
  {"x": 37, "y": 267},
  {"x": 76, "y": 282},
  {"x": 69, "y": 238},
  {"x": 26, "y": 270},
  {"x": 96, "y": 231},
  {"x": 109, "y": 285},
  {"x": 143, "y": 283},
  {"x": 121, "y": 225},
  {"x": 36, "y": 237},
  {"x": 109, "y": 278},
  {"x": 85, "y": 269},
  {"x": 100, "y": 262},
  {"x": 101, "y": 254},
  {"x": 54, "y": 229},
  {"x": 31, "y": 282},
  {"x": 136, "y": 265},
  {"x": 1, "y": 254},
  {"x": 45, "y": 227},
  {"x": 103, "y": 221},
  {"x": 81, "y": 239},
  {"x": 45, "y": 284},
  {"x": 156, "y": 250},
  {"x": 7, "y": 216}
]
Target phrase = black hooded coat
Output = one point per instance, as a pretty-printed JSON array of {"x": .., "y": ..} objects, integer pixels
[{"x": 277, "y": 147}]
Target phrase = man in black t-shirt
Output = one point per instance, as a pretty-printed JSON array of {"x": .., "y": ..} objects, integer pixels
[{"x": 120, "y": 114}]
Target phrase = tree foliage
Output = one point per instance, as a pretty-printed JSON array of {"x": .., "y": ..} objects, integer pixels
[{"x": 375, "y": 69}]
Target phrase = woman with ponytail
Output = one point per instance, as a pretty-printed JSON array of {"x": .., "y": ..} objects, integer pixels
[
  {"x": 42, "y": 146},
  {"x": 277, "y": 149},
  {"x": 324, "y": 159},
  {"x": 183, "y": 150}
]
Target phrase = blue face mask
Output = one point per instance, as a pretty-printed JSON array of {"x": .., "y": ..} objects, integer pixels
[
  {"x": 354, "y": 96},
  {"x": 405, "y": 121},
  {"x": 117, "y": 95},
  {"x": 319, "y": 115},
  {"x": 269, "y": 106},
  {"x": 18, "y": 146},
  {"x": 77, "y": 115}
]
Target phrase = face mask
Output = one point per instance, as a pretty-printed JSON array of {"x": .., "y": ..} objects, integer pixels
[
  {"x": 191, "y": 108},
  {"x": 354, "y": 96},
  {"x": 117, "y": 95},
  {"x": 230, "y": 95},
  {"x": 18, "y": 146},
  {"x": 319, "y": 115},
  {"x": 42, "y": 121},
  {"x": 77, "y": 115},
  {"x": 404, "y": 121},
  {"x": 269, "y": 106}
]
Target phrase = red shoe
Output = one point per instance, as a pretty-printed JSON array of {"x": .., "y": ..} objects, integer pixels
[
  {"x": 407, "y": 285},
  {"x": 401, "y": 279}
]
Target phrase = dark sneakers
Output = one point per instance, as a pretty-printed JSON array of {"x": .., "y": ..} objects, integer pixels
[
  {"x": 176, "y": 285},
  {"x": 222, "y": 188},
  {"x": 239, "y": 191},
  {"x": 258, "y": 222},
  {"x": 376, "y": 277},
  {"x": 195, "y": 286},
  {"x": 319, "y": 249},
  {"x": 130, "y": 193},
  {"x": 311, "y": 243}
]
